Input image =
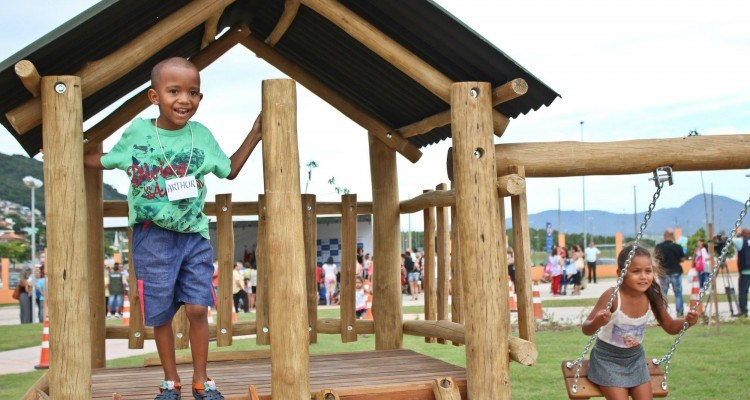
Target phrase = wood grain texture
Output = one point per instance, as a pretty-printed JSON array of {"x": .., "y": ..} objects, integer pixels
[
  {"x": 225, "y": 248},
  {"x": 263, "y": 266},
  {"x": 522, "y": 254},
  {"x": 67, "y": 241},
  {"x": 310, "y": 231},
  {"x": 348, "y": 266},
  {"x": 430, "y": 271},
  {"x": 95, "y": 263},
  {"x": 442, "y": 249}
]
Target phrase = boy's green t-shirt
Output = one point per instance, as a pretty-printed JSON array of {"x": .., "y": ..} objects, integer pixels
[{"x": 139, "y": 154}]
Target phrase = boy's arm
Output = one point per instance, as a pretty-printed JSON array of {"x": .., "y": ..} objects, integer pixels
[
  {"x": 240, "y": 156},
  {"x": 93, "y": 160}
]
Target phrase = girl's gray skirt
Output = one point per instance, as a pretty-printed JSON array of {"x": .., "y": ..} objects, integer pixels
[{"x": 616, "y": 366}]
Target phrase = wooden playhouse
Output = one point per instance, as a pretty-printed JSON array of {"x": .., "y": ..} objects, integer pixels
[{"x": 411, "y": 75}]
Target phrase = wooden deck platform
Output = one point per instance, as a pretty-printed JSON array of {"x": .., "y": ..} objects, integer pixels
[{"x": 393, "y": 374}]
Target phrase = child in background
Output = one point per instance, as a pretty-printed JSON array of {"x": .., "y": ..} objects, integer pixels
[
  {"x": 618, "y": 362},
  {"x": 167, "y": 159},
  {"x": 360, "y": 297}
]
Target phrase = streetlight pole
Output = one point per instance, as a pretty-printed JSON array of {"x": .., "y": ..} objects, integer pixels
[
  {"x": 583, "y": 185},
  {"x": 33, "y": 184}
]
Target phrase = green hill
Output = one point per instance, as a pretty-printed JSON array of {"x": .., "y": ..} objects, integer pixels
[{"x": 13, "y": 168}]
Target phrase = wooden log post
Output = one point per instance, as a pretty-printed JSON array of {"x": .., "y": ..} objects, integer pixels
[
  {"x": 263, "y": 266},
  {"x": 428, "y": 260},
  {"x": 457, "y": 314},
  {"x": 442, "y": 245},
  {"x": 181, "y": 329},
  {"x": 286, "y": 281},
  {"x": 310, "y": 231},
  {"x": 67, "y": 243},
  {"x": 348, "y": 271},
  {"x": 95, "y": 262},
  {"x": 136, "y": 329},
  {"x": 476, "y": 203},
  {"x": 225, "y": 248},
  {"x": 386, "y": 305},
  {"x": 29, "y": 76},
  {"x": 522, "y": 254}
]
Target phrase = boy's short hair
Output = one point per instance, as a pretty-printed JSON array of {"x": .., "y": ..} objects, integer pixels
[{"x": 172, "y": 61}]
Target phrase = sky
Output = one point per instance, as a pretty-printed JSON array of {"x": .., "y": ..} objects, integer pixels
[{"x": 628, "y": 70}]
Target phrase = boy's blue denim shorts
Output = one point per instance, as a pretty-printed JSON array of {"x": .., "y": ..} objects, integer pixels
[{"x": 172, "y": 268}]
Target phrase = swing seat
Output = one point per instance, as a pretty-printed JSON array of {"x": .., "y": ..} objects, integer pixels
[{"x": 588, "y": 389}]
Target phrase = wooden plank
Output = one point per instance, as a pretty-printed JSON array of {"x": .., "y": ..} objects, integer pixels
[
  {"x": 285, "y": 21},
  {"x": 429, "y": 268},
  {"x": 310, "y": 232},
  {"x": 386, "y": 235},
  {"x": 96, "y": 75},
  {"x": 263, "y": 266},
  {"x": 457, "y": 314},
  {"x": 373, "y": 125},
  {"x": 213, "y": 356},
  {"x": 328, "y": 208},
  {"x": 286, "y": 280},
  {"x": 65, "y": 201},
  {"x": 332, "y": 326},
  {"x": 136, "y": 329},
  {"x": 348, "y": 267},
  {"x": 442, "y": 246},
  {"x": 588, "y": 389},
  {"x": 95, "y": 262},
  {"x": 225, "y": 248},
  {"x": 476, "y": 202},
  {"x": 522, "y": 251},
  {"x": 132, "y": 107}
]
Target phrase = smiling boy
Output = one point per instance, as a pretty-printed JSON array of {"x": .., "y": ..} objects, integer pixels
[{"x": 166, "y": 160}]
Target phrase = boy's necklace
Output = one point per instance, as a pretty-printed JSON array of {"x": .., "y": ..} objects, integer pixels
[{"x": 192, "y": 146}]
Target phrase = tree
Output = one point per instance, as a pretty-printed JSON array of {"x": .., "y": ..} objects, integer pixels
[
  {"x": 339, "y": 190},
  {"x": 15, "y": 251},
  {"x": 310, "y": 166}
]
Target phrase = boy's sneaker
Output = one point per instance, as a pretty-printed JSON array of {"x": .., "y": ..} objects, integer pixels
[
  {"x": 169, "y": 390},
  {"x": 211, "y": 392}
]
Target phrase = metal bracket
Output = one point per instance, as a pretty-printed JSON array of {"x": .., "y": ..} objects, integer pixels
[{"x": 661, "y": 175}]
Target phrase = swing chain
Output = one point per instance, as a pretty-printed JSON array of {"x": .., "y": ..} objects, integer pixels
[
  {"x": 578, "y": 362},
  {"x": 705, "y": 289}
]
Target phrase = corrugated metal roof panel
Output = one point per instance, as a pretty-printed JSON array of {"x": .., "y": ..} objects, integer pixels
[{"x": 314, "y": 43}]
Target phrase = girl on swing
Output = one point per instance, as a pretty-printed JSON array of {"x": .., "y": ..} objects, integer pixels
[{"x": 617, "y": 362}]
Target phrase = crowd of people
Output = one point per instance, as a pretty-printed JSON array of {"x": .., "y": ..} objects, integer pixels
[
  {"x": 28, "y": 289},
  {"x": 565, "y": 267}
]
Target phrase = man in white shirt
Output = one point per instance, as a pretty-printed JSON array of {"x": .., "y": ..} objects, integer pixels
[{"x": 592, "y": 254}]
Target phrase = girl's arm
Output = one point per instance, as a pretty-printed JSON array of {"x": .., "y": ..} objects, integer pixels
[
  {"x": 599, "y": 316},
  {"x": 674, "y": 326},
  {"x": 93, "y": 160},
  {"x": 238, "y": 159}
]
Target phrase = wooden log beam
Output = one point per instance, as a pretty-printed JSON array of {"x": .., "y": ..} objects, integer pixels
[
  {"x": 442, "y": 247},
  {"x": 520, "y": 350},
  {"x": 95, "y": 262},
  {"x": 332, "y": 326},
  {"x": 428, "y": 199},
  {"x": 30, "y": 78},
  {"x": 707, "y": 153},
  {"x": 429, "y": 273},
  {"x": 65, "y": 200},
  {"x": 501, "y": 94},
  {"x": 310, "y": 232},
  {"x": 457, "y": 314},
  {"x": 132, "y": 107},
  {"x": 348, "y": 267},
  {"x": 122, "y": 332},
  {"x": 511, "y": 185},
  {"x": 386, "y": 305},
  {"x": 286, "y": 280},
  {"x": 210, "y": 29},
  {"x": 98, "y": 74},
  {"x": 329, "y": 208},
  {"x": 476, "y": 202},
  {"x": 522, "y": 252},
  {"x": 373, "y": 125},
  {"x": 119, "y": 208},
  {"x": 213, "y": 356},
  {"x": 225, "y": 250},
  {"x": 285, "y": 21}
]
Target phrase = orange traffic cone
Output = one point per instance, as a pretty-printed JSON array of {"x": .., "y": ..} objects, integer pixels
[
  {"x": 126, "y": 310},
  {"x": 368, "y": 313},
  {"x": 210, "y": 317},
  {"x": 537, "y": 300},
  {"x": 44, "y": 358},
  {"x": 512, "y": 296},
  {"x": 234, "y": 315},
  {"x": 695, "y": 294}
]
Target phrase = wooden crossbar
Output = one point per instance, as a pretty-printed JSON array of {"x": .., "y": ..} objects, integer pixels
[{"x": 588, "y": 389}]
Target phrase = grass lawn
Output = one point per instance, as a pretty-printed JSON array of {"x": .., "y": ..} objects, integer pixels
[
  {"x": 20, "y": 336},
  {"x": 705, "y": 366}
]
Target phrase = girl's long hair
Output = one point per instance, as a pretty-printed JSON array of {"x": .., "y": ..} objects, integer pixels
[{"x": 653, "y": 293}]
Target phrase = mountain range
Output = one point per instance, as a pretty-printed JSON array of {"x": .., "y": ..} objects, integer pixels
[{"x": 689, "y": 217}]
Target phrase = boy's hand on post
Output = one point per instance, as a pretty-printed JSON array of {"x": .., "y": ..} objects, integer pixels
[{"x": 258, "y": 125}]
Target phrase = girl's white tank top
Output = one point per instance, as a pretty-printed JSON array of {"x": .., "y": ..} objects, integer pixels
[{"x": 623, "y": 330}]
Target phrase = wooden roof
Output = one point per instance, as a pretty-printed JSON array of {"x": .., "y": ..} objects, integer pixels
[{"x": 425, "y": 47}]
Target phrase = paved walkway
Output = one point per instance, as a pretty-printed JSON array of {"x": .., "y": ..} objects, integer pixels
[{"x": 23, "y": 360}]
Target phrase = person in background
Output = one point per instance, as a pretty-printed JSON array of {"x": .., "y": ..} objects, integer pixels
[
  {"x": 701, "y": 261},
  {"x": 669, "y": 256},
  {"x": 412, "y": 275},
  {"x": 24, "y": 299},
  {"x": 592, "y": 255},
  {"x": 238, "y": 289},
  {"x": 41, "y": 290},
  {"x": 330, "y": 271},
  {"x": 742, "y": 245},
  {"x": 511, "y": 261},
  {"x": 116, "y": 292}
]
